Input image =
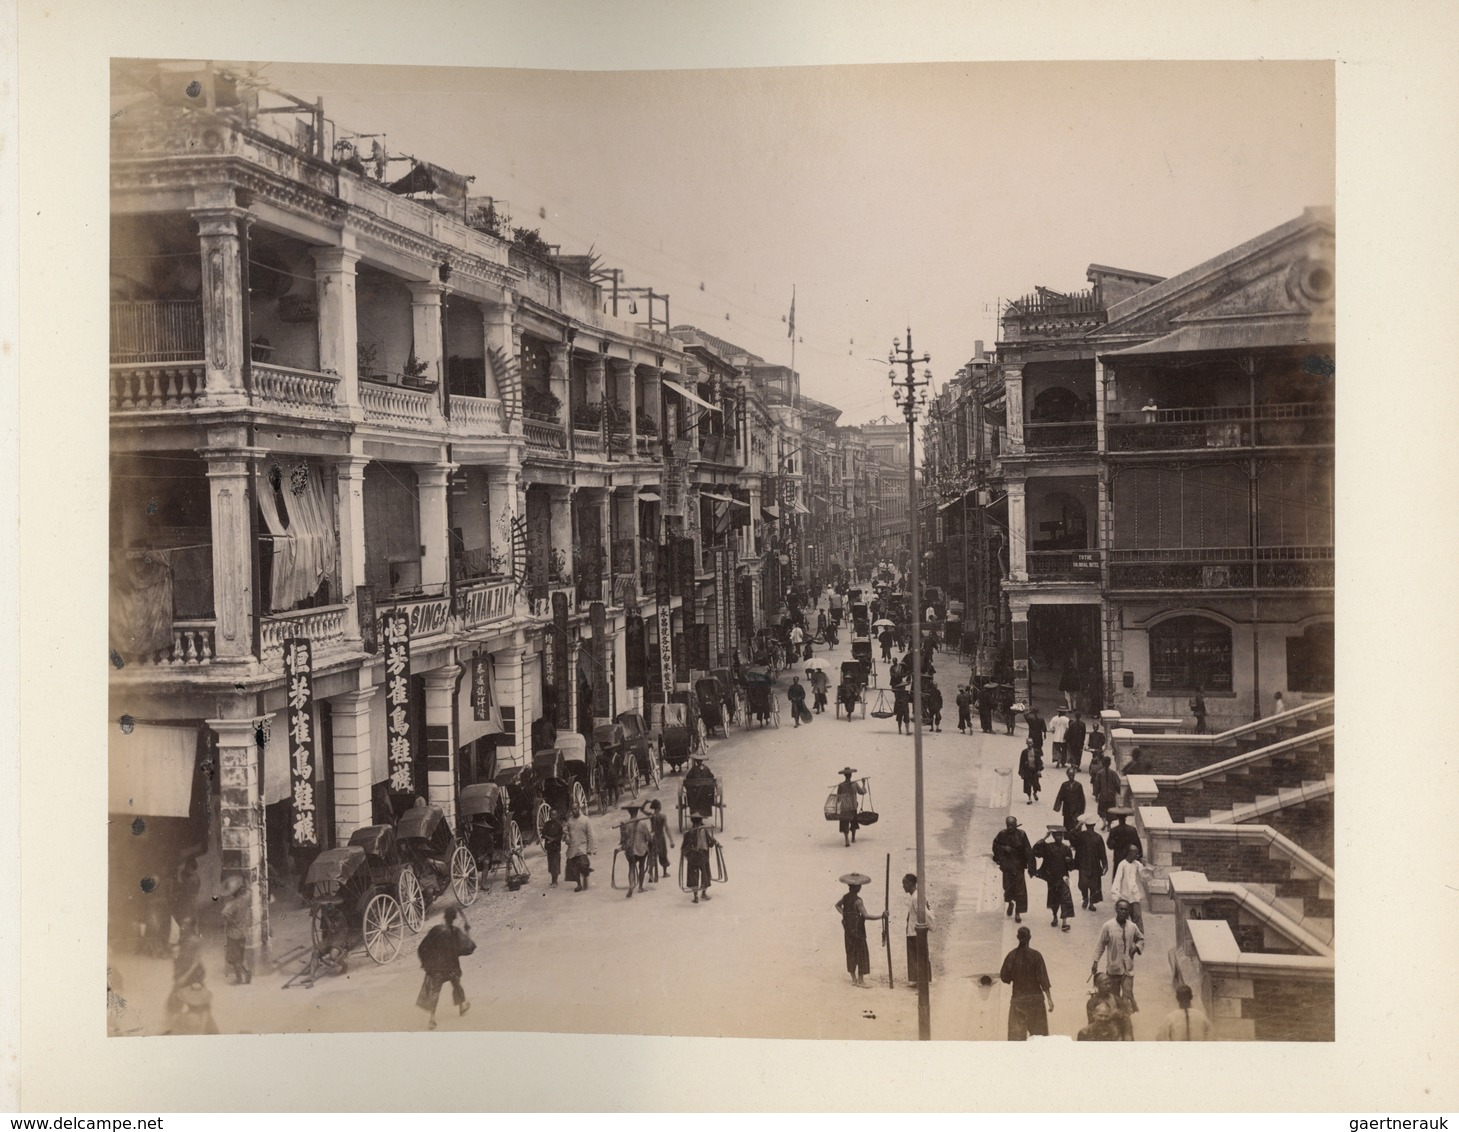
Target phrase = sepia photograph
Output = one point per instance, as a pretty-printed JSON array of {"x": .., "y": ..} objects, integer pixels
[{"x": 722, "y": 552}]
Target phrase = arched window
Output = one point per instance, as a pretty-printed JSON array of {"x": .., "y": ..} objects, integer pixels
[
  {"x": 1310, "y": 659},
  {"x": 1188, "y": 653}
]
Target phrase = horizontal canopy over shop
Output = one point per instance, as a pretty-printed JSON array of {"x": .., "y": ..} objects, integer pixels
[
  {"x": 721, "y": 498},
  {"x": 1211, "y": 338},
  {"x": 682, "y": 392},
  {"x": 649, "y": 496},
  {"x": 801, "y": 507},
  {"x": 769, "y": 509}
]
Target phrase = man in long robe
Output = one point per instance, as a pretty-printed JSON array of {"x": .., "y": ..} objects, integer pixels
[
  {"x": 1014, "y": 857},
  {"x": 1056, "y": 860},
  {"x": 1070, "y": 801},
  {"x": 1092, "y": 862}
]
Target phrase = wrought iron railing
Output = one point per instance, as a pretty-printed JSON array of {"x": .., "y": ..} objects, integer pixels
[
  {"x": 1061, "y": 434},
  {"x": 1222, "y": 426},
  {"x": 1063, "y": 565},
  {"x": 160, "y": 330},
  {"x": 1217, "y": 568}
]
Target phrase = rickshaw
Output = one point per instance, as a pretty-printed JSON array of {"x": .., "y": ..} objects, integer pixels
[
  {"x": 861, "y": 653},
  {"x": 561, "y": 782},
  {"x": 614, "y": 772},
  {"x": 351, "y": 903},
  {"x": 382, "y": 852},
  {"x": 487, "y": 836},
  {"x": 860, "y": 620},
  {"x": 702, "y": 795},
  {"x": 424, "y": 837},
  {"x": 760, "y": 700},
  {"x": 524, "y": 798},
  {"x": 730, "y": 692},
  {"x": 640, "y": 747},
  {"x": 679, "y": 735},
  {"x": 853, "y": 673},
  {"x": 709, "y": 697}
]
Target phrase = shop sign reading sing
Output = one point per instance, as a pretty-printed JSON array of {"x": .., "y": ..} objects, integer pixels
[
  {"x": 299, "y": 680},
  {"x": 397, "y": 702}
]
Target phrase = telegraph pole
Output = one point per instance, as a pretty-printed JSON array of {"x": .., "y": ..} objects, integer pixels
[{"x": 911, "y": 393}]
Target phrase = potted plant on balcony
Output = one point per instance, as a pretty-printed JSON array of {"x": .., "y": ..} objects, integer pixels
[
  {"x": 647, "y": 426},
  {"x": 540, "y": 404},
  {"x": 557, "y": 567},
  {"x": 414, "y": 375},
  {"x": 617, "y": 417},
  {"x": 588, "y": 417},
  {"x": 367, "y": 358}
]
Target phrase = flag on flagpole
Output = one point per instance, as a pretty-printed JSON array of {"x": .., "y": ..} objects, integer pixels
[{"x": 791, "y": 332}]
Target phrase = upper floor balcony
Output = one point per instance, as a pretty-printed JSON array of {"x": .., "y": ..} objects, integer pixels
[
  {"x": 1061, "y": 436},
  {"x": 1222, "y": 426},
  {"x": 1222, "y": 568}
]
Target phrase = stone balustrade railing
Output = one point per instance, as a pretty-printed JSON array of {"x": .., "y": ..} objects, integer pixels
[
  {"x": 544, "y": 434},
  {"x": 157, "y": 385},
  {"x": 294, "y": 390},
  {"x": 474, "y": 416},
  {"x": 586, "y": 442},
  {"x": 192, "y": 646},
  {"x": 391, "y": 403},
  {"x": 324, "y": 627}
]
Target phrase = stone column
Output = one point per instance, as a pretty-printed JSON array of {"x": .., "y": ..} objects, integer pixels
[
  {"x": 240, "y": 814},
  {"x": 501, "y": 488},
  {"x": 339, "y": 336},
  {"x": 507, "y": 669},
  {"x": 1013, "y": 399},
  {"x": 220, "y": 240},
  {"x": 1022, "y": 686},
  {"x": 628, "y": 376},
  {"x": 441, "y": 737},
  {"x": 435, "y": 564},
  {"x": 598, "y": 378},
  {"x": 558, "y": 379},
  {"x": 561, "y": 500},
  {"x": 353, "y": 769},
  {"x": 229, "y": 473},
  {"x": 425, "y": 318},
  {"x": 349, "y": 478},
  {"x": 567, "y": 683},
  {"x": 1017, "y": 532}
]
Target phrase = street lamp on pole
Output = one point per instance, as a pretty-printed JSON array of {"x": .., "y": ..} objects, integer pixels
[{"x": 910, "y": 393}]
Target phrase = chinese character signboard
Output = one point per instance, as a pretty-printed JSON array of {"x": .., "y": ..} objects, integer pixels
[
  {"x": 731, "y": 605},
  {"x": 598, "y": 650},
  {"x": 666, "y": 650},
  {"x": 365, "y": 612},
  {"x": 721, "y": 602},
  {"x": 299, "y": 682},
  {"x": 481, "y": 689},
  {"x": 400, "y": 741}
]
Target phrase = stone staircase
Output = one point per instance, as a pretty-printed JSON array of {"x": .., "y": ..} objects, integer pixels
[{"x": 1239, "y": 828}]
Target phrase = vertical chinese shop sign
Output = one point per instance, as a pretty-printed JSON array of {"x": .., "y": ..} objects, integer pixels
[
  {"x": 299, "y": 680},
  {"x": 397, "y": 703}
]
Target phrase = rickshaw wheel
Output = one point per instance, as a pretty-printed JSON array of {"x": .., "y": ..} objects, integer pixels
[
  {"x": 412, "y": 900},
  {"x": 632, "y": 783},
  {"x": 514, "y": 838},
  {"x": 653, "y": 773},
  {"x": 579, "y": 797},
  {"x": 383, "y": 927},
  {"x": 544, "y": 812},
  {"x": 682, "y": 808},
  {"x": 465, "y": 878}
]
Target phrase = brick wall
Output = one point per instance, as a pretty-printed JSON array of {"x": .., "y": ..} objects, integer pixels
[
  {"x": 1247, "y": 862},
  {"x": 1310, "y": 826},
  {"x": 1286, "y": 1011},
  {"x": 1195, "y": 802}
]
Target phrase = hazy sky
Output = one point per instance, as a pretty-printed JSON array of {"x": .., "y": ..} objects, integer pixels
[{"x": 888, "y": 195}]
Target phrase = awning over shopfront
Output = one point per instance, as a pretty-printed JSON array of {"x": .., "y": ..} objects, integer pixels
[
  {"x": 770, "y": 509},
  {"x": 682, "y": 392},
  {"x": 151, "y": 770},
  {"x": 648, "y": 496},
  {"x": 801, "y": 507},
  {"x": 1212, "y": 337}
]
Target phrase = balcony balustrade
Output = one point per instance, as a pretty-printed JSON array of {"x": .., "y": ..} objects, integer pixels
[
  {"x": 648, "y": 447},
  {"x": 324, "y": 627},
  {"x": 587, "y": 442},
  {"x": 192, "y": 646},
  {"x": 1222, "y": 426},
  {"x": 1041, "y": 436},
  {"x": 476, "y": 416},
  {"x": 147, "y": 388},
  {"x": 295, "y": 391},
  {"x": 390, "y": 404},
  {"x": 1063, "y": 565},
  {"x": 1218, "y": 568},
  {"x": 546, "y": 436}
]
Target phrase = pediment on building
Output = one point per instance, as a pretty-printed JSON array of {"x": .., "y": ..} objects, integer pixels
[{"x": 1285, "y": 276}]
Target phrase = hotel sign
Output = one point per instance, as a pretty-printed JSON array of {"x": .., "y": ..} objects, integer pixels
[
  {"x": 484, "y": 604},
  {"x": 425, "y": 617}
]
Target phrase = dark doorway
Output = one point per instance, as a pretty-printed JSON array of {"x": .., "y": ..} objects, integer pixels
[{"x": 1064, "y": 648}]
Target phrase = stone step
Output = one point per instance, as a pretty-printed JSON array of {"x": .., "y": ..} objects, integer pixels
[{"x": 1322, "y": 928}]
